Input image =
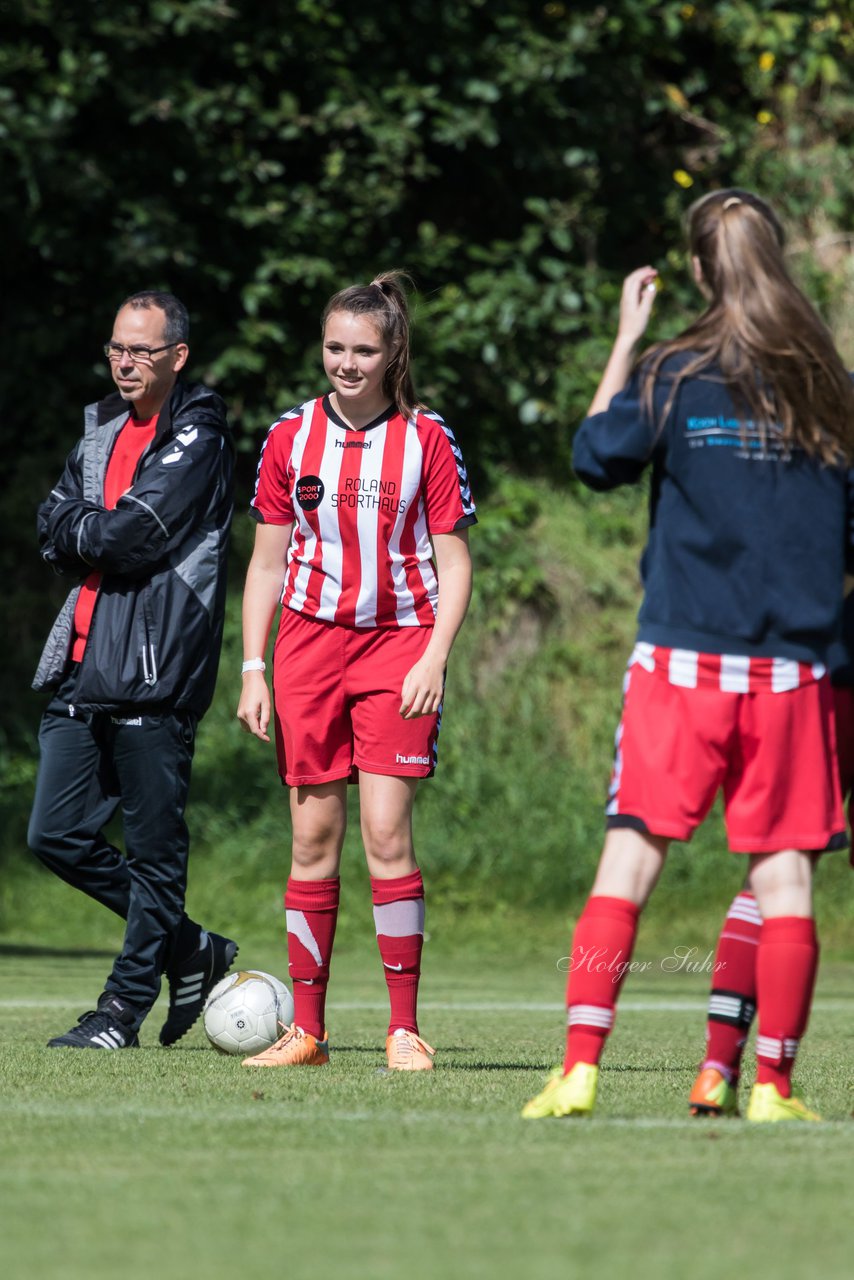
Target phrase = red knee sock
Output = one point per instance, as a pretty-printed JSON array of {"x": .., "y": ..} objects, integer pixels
[
  {"x": 399, "y": 920},
  {"x": 785, "y": 976},
  {"x": 602, "y": 948},
  {"x": 732, "y": 999},
  {"x": 311, "y": 910}
]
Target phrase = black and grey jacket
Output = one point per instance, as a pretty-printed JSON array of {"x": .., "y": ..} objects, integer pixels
[{"x": 156, "y": 632}]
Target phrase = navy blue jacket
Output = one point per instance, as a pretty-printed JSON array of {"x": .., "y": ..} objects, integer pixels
[{"x": 747, "y": 544}]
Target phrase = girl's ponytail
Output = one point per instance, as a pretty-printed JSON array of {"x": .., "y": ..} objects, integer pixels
[{"x": 384, "y": 302}]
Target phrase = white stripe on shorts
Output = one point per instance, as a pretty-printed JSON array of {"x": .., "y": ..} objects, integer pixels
[
  {"x": 683, "y": 668},
  {"x": 735, "y": 673}
]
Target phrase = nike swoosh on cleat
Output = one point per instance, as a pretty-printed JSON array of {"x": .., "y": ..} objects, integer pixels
[{"x": 397, "y": 967}]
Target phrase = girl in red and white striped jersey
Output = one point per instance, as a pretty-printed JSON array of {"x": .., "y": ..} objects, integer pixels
[
  {"x": 746, "y": 420},
  {"x": 363, "y": 506}
]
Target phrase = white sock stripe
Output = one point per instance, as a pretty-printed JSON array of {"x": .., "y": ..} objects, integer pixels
[
  {"x": 745, "y": 908},
  {"x": 725, "y": 1004},
  {"x": 739, "y": 937},
  {"x": 189, "y": 998},
  {"x": 301, "y": 929},
  {"x": 746, "y": 917},
  {"x": 401, "y": 919},
  {"x": 767, "y": 1047},
  {"x": 589, "y": 1015}
]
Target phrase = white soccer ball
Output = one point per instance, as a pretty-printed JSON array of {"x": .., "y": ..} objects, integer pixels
[{"x": 244, "y": 1012}]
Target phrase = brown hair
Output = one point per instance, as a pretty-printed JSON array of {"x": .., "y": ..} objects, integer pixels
[
  {"x": 774, "y": 352},
  {"x": 384, "y": 302}
]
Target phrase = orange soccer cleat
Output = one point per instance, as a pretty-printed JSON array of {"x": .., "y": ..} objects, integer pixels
[
  {"x": 408, "y": 1052},
  {"x": 713, "y": 1095},
  {"x": 296, "y": 1048}
]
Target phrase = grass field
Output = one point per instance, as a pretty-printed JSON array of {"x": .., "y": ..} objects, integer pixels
[{"x": 180, "y": 1163}]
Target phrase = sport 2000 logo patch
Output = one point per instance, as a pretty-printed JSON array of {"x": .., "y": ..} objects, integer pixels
[{"x": 310, "y": 492}]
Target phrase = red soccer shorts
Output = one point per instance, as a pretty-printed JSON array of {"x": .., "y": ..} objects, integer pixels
[
  {"x": 337, "y": 694},
  {"x": 773, "y": 754}
]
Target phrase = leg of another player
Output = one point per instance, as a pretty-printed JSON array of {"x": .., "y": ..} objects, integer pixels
[
  {"x": 398, "y": 896},
  {"x": 786, "y": 968},
  {"x": 599, "y": 960},
  {"x": 732, "y": 1006}
]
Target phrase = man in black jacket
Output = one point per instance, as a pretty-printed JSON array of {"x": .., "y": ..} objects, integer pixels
[{"x": 140, "y": 517}]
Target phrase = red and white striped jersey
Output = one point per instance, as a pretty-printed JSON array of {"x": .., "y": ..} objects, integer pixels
[
  {"x": 729, "y": 672},
  {"x": 364, "y": 504}
]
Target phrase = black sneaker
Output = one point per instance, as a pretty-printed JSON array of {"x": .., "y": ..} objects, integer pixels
[
  {"x": 110, "y": 1026},
  {"x": 190, "y": 981}
]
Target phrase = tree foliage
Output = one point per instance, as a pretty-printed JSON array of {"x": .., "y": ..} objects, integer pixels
[{"x": 515, "y": 157}]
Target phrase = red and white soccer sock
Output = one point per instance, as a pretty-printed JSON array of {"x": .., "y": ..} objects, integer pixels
[
  {"x": 399, "y": 920},
  {"x": 785, "y": 976},
  {"x": 732, "y": 999},
  {"x": 602, "y": 948},
  {"x": 311, "y": 911}
]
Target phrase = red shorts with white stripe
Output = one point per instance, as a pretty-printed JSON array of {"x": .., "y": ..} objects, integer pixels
[
  {"x": 337, "y": 697},
  {"x": 760, "y": 729}
]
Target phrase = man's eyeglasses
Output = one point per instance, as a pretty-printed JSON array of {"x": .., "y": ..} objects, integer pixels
[{"x": 139, "y": 355}]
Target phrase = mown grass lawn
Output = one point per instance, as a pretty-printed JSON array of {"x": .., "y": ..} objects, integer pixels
[{"x": 179, "y": 1163}]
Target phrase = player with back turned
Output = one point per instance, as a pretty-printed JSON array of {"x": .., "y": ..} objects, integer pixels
[{"x": 746, "y": 420}]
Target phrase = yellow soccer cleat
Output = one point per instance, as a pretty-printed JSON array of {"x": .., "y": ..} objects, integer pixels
[
  {"x": 565, "y": 1095},
  {"x": 408, "y": 1052},
  {"x": 713, "y": 1095},
  {"x": 296, "y": 1048},
  {"x": 767, "y": 1105}
]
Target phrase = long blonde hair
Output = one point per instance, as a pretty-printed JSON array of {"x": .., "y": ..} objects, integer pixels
[
  {"x": 775, "y": 354},
  {"x": 383, "y": 301}
]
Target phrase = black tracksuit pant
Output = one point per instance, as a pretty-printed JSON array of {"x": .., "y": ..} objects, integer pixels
[{"x": 90, "y": 764}]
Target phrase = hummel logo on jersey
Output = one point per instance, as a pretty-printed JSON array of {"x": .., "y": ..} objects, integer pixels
[
  {"x": 188, "y": 435},
  {"x": 175, "y": 456},
  {"x": 136, "y": 721},
  {"x": 353, "y": 444},
  {"x": 397, "y": 967},
  {"x": 399, "y": 759}
]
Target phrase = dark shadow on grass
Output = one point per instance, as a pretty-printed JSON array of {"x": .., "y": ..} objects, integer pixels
[
  {"x": 58, "y": 953},
  {"x": 652, "y": 1070},
  {"x": 498, "y": 1066}
]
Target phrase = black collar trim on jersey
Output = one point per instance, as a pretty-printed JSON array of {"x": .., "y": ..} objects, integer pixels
[{"x": 387, "y": 413}]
